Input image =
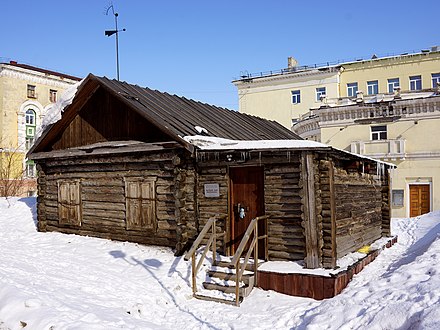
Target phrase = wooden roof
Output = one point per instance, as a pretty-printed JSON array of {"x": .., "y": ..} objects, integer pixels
[
  {"x": 175, "y": 116},
  {"x": 180, "y": 115}
]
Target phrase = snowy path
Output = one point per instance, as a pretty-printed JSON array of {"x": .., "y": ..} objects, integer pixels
[{"x": 57, "y": 281}]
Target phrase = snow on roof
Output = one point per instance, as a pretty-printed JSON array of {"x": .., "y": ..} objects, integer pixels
[
  {"x": 216, "y": 143},
  {"x": 53, "y": 113}
]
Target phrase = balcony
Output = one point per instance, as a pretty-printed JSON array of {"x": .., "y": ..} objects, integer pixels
[{"x": 392, "y": 149}]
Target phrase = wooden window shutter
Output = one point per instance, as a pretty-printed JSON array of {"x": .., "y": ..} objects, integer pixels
[
  {"x": 69, "y": 202},
  {"x": 140, "y": 196}
]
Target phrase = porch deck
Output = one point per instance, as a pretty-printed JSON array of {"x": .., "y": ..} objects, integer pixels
[{"x": 315, "y": 286}]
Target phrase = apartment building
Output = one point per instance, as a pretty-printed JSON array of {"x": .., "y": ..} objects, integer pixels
[
  {"x": 26, "y": 94},
  {"x": 285, "y": 95},
  {"x": 385, "y": 108}
]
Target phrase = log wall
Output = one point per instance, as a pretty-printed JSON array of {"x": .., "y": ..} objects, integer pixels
[
  {"x": 103, "y": 197},
  {"x": 358, "y": 199}
]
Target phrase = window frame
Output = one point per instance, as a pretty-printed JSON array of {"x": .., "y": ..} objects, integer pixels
[
  {"x": 393, "y": 83},
  {"x": 321, "y": 92},
  {"x": 140, "y": 199},
  {"x": 31, "y": 91},
  {"x": 69, "y": 202},
  {"x": 415, "y": 83},
  {"x": 373, "y": 87},
  {"x": 379, "y": 132},
  {"x": 296, "y": 96},
  {"x": 53, "y": 95},
  {"x": 435, "y": 78},
  {"x": 352, "y": 89}
]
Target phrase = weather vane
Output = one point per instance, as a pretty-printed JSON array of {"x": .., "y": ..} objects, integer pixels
[{"x": 109, "y": 33}]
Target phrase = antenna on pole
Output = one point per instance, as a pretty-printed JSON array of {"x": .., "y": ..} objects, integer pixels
[{"x": 109, "y": 33}]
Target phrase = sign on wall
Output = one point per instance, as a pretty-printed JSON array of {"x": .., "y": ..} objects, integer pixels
[{"x": 212, "y": 190}]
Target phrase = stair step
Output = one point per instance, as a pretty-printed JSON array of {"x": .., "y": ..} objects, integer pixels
[
  {"x": 216, "y": 299},
  {"x": 249, "y": 266},
  {"x": 243, "y": 291},
  {"x": 246, "y": 278}
]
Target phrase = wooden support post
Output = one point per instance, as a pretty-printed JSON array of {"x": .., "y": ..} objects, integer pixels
[
  {"x": 332, "y": 213},
  {"x": 194, "y": 273},
  {"x": 256, "y": 253},
  {"x": 313, "y": 254},
  {"x": 214, "y": 244}
]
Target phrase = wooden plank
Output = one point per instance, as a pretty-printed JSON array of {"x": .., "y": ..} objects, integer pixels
[{"x": 312, "y": 259}]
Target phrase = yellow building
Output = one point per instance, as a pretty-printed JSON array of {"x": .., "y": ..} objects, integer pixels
[
  {"x": 26, "y": 93},
  {"x": 402, "y": 129},
  {"x": 287, "y": 94},
  {"x": 386, "y": 108}
]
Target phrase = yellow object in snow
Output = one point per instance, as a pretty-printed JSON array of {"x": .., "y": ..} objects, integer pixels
[{"x": 365, "y": 249}]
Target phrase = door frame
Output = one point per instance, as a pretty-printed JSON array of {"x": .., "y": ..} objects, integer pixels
[
  {"x": 425, "y": 182},
  {"x": 229, "y": 246}
]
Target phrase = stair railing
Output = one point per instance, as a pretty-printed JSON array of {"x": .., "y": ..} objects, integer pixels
[
  {"x": 211, "y": 244},
  {"x": 253, "y": 247}
]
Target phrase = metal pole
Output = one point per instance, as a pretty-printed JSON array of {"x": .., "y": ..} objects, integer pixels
[{"x": 117, "y": 47}]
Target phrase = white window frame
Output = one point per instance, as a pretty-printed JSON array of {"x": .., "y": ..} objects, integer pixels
[
  {"x": 320, "y": 93},
  {"x": 379, "y": 133},
  {"x": 435, "y": 78},
  {"x": 373, "y": 87},
  {"x": 415, "y": 83},
  {"x": 352, "y": 89},
  {"x": 296, "y": 96},
  {"x": 393, "y": 83}
]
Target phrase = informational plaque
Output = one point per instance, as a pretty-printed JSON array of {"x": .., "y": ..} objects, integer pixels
[{"x": 212, "y": 190}]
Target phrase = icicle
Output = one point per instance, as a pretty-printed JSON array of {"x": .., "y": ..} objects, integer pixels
[
  {"x": 259, "y": 157},
  {"x": 288, "y": 156}
]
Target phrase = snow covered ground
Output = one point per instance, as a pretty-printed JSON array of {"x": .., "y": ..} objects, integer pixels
[{"x": 57, "y": 281}]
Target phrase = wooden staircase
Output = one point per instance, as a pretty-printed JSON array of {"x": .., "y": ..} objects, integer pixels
[
  {"x": 228, "y": 280},
  {"x": 221, "y": 281}
]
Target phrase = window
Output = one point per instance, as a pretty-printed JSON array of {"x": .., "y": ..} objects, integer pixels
[
  {"x": 320, "y": 93},
  {"x": 397, "y": 197},
  {"x": 296, "y": 97},
  {"x": 415, "y": 83},
  {"x": 393, "y": 84},
  {"x": 140, "y": 199},
  {"x": 30, "y": 128},
  {"x": 352, "y": 89},
  {"x": 30, "y": 169},
  {"x": 378, "y": 132},
  {"x": 435, "y": 79},
  {"x": 30, "y": 117},
  {"x": 69, "y": 202},
  {"x": 52, "y": 95},
  {"x": 29, "y": 142},
  {"x": 31, "y": 91},
  {"x": 372, "y": 87}
]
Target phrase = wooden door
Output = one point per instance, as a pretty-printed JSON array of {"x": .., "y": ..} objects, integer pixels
[
  {"x": 247, "y": 191},
  {"x": 419, "y": 199}
]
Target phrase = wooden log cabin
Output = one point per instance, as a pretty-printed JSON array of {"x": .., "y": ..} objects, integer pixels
[{"x": 133, "y": 164}]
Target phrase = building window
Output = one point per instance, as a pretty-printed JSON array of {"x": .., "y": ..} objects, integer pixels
[
  {"x": 296, "y": 97},
  {"x": 415, "y": 83},
  {"x": 69, "y": 202},
  {"x": 393, "y": 84},
  {"x": 435, "y": 80},
  {"x": 352, "y": 89},
  {"x": 379, "y": 132},
  {"x": 397, "y": 197},
  {"x": 140, "y": 199},
  {"x": 372, "y": 87},
  {"x": 30, "y": 169},
  {"x": 320, "y": 93},
  {"x": 31, "y": 91},
  {"x": 30, "y": 128},
  {"x": 52, "y": 95}
]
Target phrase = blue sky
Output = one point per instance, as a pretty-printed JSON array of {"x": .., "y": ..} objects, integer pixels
[{"x": 196, "y": 48}]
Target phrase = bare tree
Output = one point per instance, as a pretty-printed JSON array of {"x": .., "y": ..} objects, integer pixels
[{"x": 11, "y": 172}]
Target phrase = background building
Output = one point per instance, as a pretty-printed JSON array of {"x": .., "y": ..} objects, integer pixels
[
  {"x": 286, "y": 94},
  {"x": 26, "y": 93},
  {"x": 386, "y": 108}
]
